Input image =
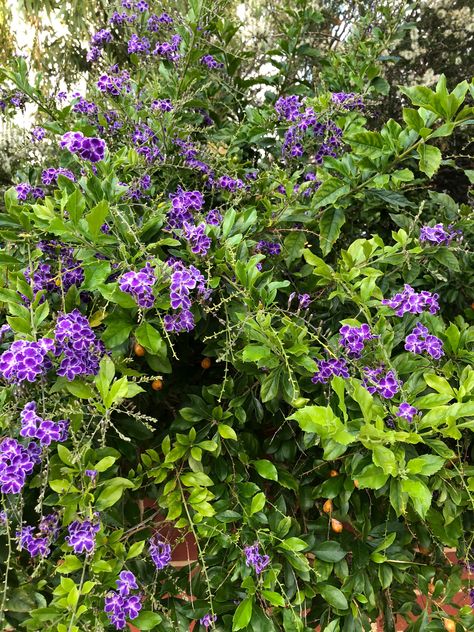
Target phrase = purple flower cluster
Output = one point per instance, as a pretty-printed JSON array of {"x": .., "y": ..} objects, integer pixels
[
  {"x": 169, "y": 49},
  {"x": 405, "y": 411},
  {"x": 16, "y": 462},
  {"x": 160, "y": 552},
  {"x": 439, "y": 235},
  {"x": 50, "y": 176},
  {"x": 69, "y": 272},
  {"x": 164, "y": 105},
  {"x": 146, "y": 142},
  {"x": 34, "y": 427},
  {"x": 91, "y": 149},
  {"x": 136, "y": 190},
  {"x": 39, "y": 543},
  {"x": 304, "y": 300},
  {"x": 376, "y": 381},
  {"x": 353, "y": 339},
  {"x": 86, "y": 107},
  {"x": 139, "y": 45},
  {"x": 140, "y": 285},
  {"x": 182, "y": 203},
  {"x": 122, "y": 604},
  {"x": 412, "y": 302},
  {"x": 288, "y": 108},
  {"x": 227, "y": 183},
  {"x": 421, "y": 340},
  {"x": 254, "y": 558},
  {"x": 208, "y": 620},
  {"x": 155, "y": 22},
  {"x": 271, "y": 248},
  {"x": 38, "y": 133},
  {"x": 82, "y": 535},
  {"x": 114, "y": 84},
  {"x": 327, "y": 369},
  {"x": 213, "y": 218},
  {"x": 26, "y": 360},
  {"x": 80, "y": 349},
  {"x": 197, "y": 238},
  {"x": 25, "y": 191},
  {"x": 98, "y": 41},
  {"x": 210, "y": 62},
  {"x": 348, "y": 100},
  {"x": 183, "y": 281}
]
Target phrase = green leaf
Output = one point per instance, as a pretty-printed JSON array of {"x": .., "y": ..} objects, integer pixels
[
  {"x": 136, "y": 549},
  {"x": 196, "y": 479},
  {"x": 430, "y": 159},
  {"x": 147, "y": 620},
  {"x": 112, "y": 492},
  {"x": 419, "y": 494},
  {"x": 65, "y": 455},
  {"x": 70, "y": 564},
  {"x": 323, "y": 421},
  {"x": 329, "y": 552},
  {"x": 330, "y": 226},
  {"x": 242, "y": 615},
  {"x": 413, "y": 119},
  {"x": 258, "y": 503},
  {"x": 330, "y": 191},
  {"x": 447, "y": 258},
  {"x": 227, "y": 432},
  {"x": 334, "y": 597},
  {"x": 426, "y": 465},
  {"x": 266, "y": 469},
  {"x": 273, "y": 597},
  {"x": 96, "y": 217},
  {"x": 75, "y": 206},
  {"x": 369, "y": 144},
  {"x": 253, "y": 353},
  {"x": 150, "y": 338},
  {"x": 386, "y": 459},
  {"x": 80, "y": 389},
  {"x": 294, "y": 544},
  {"x": 105, "y": 463},
  {"x": 372, "y": 477}
]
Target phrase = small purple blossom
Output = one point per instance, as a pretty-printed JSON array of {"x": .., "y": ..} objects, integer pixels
[
  {"x": 197, "y": 238},
  {"x": 439, "y": 235},
  {"x": 271, "y": 248},
  {"x": 412, "y": 302},
  {"x": 82, "y": 535},
  {"x": 126, "y": 583},
  {"x": 348, "y": 100},
  {"x": 329, "y": 368},
  {"x": 38, "y": 133},
  {"x": 405, "y": 411},
  {"x": 15, "y": 463},
  {"x": 376, "y": 381},
  {"x": 254, "y": 558},
  {"x": 160, "y": 552},
  {"x": 208, "y": 620},
  {"x": 26, "y": 360},
  {"x": 78, "y": 345},
  {"x": 353, "y": 338},
  {"x": 91, "y": 149},
  {"x": 140, "y": 285},
  {"x": 421, "y": 340},
  {"x": 210, "y": 62}
]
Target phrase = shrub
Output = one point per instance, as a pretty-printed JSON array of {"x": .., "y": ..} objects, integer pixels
[{"x": 246, "y": 315}]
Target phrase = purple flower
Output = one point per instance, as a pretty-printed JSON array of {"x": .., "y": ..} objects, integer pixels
[
  {"x": 347, "y": 100},
  {"x": 376, "y": 381},
  {"x": 132, "y": 606},
  {"x": 33, "y": 543},
  {"x": 80, "y": 349},
  {"x": 421, "y": 340},
  {"x": 271, "y": 248},
  {"x": 327, "y": 369},
  {"x": 210, "y": 62},
  {"x": 26, "y": 360},
  {"x": 139, "y": 45},
  {"x": 214, "y": 218},
  {"x": 50, "y": 176},
  {"x": 92, "y": 474},
  {"x": 177, "y": 323},
  {"x": 182, "y": 203},
  {"x": 406, "y": 411},
  {"x": 38, "y": 133},
  {"x": 140, "y": 285},
  {"x": 254, "y": 558},
  {"x": 160, "y": 552},
  {"x": 439, "y": 235},
  {"x": 91, "y": 149},
  {"x": 164, "y": 105},
  {"x": 208, "y": 620},
  {"x": 114, "y": 84},
  {"x": 353, "y": 338},
  {"x": 82, "y": 535},
  {"x": 126, "y": 583},
  {"x": 15, "y": 463},
  {"x": 288, "y": 107},
  {"x": 197, "y": 238},
  {"x": 169, "y": 49},
  {"x": 412, "y": 302},
  {"x": 101, "y": 38}
]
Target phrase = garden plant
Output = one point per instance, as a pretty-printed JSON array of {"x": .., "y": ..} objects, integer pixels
[{"x": 235, "y": 308}]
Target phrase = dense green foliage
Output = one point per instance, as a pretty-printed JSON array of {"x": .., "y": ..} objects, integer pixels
[{"x": 220, "y": 430}]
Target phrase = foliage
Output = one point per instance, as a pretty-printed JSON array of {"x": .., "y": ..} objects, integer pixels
[{"x": 223, "y": 309}]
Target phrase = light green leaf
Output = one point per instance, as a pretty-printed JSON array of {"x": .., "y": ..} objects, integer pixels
[
  {"x": 242, "y": 615},
  {"x": 266, "y": 469}
]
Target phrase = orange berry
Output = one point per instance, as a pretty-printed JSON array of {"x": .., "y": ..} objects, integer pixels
[
  {"x": 157, "y": 385},
  {"x": 449, "y": 625},
  {"x": 356, "y": 483},
  {"x": 206, "y": 363},
  {"x": 138, "y": 350},
  {"x": 333, "y": 473},
  {"x": 336, "y": 526},
  {"x": 327, "y": 507}
]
